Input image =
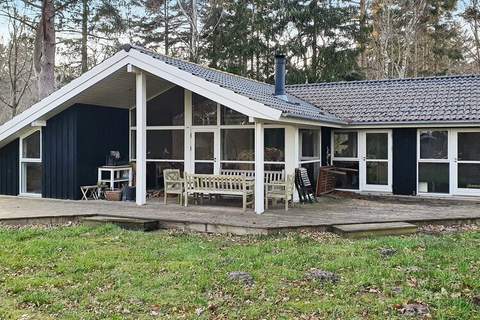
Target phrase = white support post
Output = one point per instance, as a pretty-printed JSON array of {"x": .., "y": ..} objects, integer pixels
[
  {"x": 292, "y": 153},
  {"x": 188, "y": 161},
  {"x": 141, "y": 104},
  {"x": 259, "y": 168}
]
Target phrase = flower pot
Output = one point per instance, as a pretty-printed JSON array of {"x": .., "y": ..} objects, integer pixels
[{"x": 113, "y": 195}]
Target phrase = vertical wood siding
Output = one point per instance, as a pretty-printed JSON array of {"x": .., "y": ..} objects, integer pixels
[
  {"x": 405, "y": 161},
  {"x": 9, "y": 168}
]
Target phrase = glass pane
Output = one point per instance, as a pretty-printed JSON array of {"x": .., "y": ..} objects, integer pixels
[
  {"x": 31, "y": 146},
  {"x": 350, "y": 179},
  {"x": 313, "y": 170},
  {"x": 433, "y": 144},
  {"x": 204, "y": 111},
  {"x": 274, "y": 167},
  {"x": 165, "y": 144},
  {"x": 166, "y": 109},
  {"x": 232, "y": 117},
  {"x": 133, "y": 117},
  {"x": 377, "y": 146},
  {"x": 155, "y": 173},
  {"x": 345, "y": 144},
  {"x": 310, "y": 144},
  {"x": 238, "y": 144},
  {"x": 275, "y": 144},
  {"x": 433, "y": 177},
  {"x": 238, "y": 166},
  {"x": 204, "y": 145},
  {"x": 469, "y": 146},
  {"x": 377, "y": 173},
  {"x": 204, "y": 168},
  {"x": 133, "y": 146},
  {"x": 33, "y": 177},
  {"x": 469, "y": 175}
]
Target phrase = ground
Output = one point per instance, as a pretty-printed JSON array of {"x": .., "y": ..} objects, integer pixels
[{"x": 79, "y": 272}]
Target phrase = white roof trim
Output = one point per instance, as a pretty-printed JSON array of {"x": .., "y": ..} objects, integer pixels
[{"x": 154, "y": 66}]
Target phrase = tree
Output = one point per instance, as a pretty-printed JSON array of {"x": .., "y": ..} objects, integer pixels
[{"x": 472, "y": 16}]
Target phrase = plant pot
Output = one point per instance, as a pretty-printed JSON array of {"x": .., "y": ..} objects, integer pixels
[{"x": 113, "y": 195}]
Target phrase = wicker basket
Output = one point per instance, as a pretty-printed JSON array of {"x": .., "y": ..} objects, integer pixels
[{"x": 113, "y": 195}]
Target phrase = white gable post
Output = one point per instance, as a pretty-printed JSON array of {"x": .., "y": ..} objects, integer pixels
[
  {"x": 141, "y": 104},
  {"x": 259, "y": 168},
  {"x": 188, "y": 162},
  {"x": 292, "y": 153}
]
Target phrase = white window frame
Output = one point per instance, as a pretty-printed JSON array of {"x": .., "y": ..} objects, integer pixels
[
  {"x": 304, "y": 159},
  {"x": 347, "y": 159},
  {"x": 23, "y": 161},
  {"x": 454, "y": 165},
  {"x": 448, "y": 161}
]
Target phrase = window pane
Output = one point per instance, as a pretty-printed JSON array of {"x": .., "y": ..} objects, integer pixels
[
  {"x": 350, "y": 179},
  {"x": 238, "y": 166},
  {"x": 377, "y": 146},
  {"x": 203, "y": 168},
  {"x": 232, "y": 117},
  {"x": 31, "y": 146},
  {"x": 275, "y": 145},
  {"x": 433, "y": 177},
  {"x": 345, "y": 144},
  {"x": 165, "y": 144},
  {"x": 310, "y": 144},
  {"x": 204, "y": 111},
  {"x": 469, "y": 175},
  {"x": 433, "y": 144},
  {"x": 377, "y": 173},
  {"x": 33, "y": 177},
  {"x": 204, "y": 145},
  {"x": 469, "y": 146},
  {"x": 133, "y": 146},
  {"x": 238, "y": 144},
  {"x": 155, "y": 173},
  {"x": 133, "y": 117},
  {"x": 274, "y": 167},
  {"x": 166, "y": 109}
]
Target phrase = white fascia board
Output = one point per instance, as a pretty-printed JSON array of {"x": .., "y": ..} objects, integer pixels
[
  {"x": 75, "y": 87},
  {"x": 203, "y": 87}
]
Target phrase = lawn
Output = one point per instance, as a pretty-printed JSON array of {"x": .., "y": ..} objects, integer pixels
[{"x": 96, "y": 273}]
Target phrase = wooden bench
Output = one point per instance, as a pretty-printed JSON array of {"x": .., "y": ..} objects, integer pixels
[
  {"x": 207, "y": 184},
  {"x": 270, "y": 176}
]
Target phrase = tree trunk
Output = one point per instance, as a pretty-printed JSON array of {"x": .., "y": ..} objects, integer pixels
[
  {"x": 44, "y": 53},
  {"x": 85, "y": 14},
  {"x": 167, "y": 26}
]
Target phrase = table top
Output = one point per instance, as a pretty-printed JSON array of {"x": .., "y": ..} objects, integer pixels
[{"x": 116, "y": 167}]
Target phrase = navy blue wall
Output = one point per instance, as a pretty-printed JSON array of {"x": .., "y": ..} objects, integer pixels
[
  {"x": 75, "y": 143},
  {"x": 405, "y": 161},
  {"x": 326, "y": 145},
  {"x": 9, "y": 164}
]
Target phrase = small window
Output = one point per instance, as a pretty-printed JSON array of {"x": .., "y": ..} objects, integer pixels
[
  {"x": 31, "y": 146},
  {"x": 232, "y": 117},
  {"x": 275, "y": 145},
  {"x": 310, "y": 143},
  {"x": 165, "y": 144},
  {"x": 345, "y": 145},
  {"x": 433, "y": 144},
  {"x": 238, "y": 144},
  {"x": 433, "y": 177},
  {"x": 204, "y": 111}
]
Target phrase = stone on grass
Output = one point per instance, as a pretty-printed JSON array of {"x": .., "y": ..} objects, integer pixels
[
  {"x": 243, "y": 277},
  {"x": 415, "y": 309},
  {"x": 323, "y": 276},
  {"x": 476, "y": 300},
  {"x": 387, "y": 252}
]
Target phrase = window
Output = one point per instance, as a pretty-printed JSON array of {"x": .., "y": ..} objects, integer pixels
[
  {"x": 310, "y": 155},
  {"x": 238, "y": 144},
  {"x": 350, "y": 180},
  {"x": 204, "y": 111},
  {"x": 165, "y": 144},
  {"x": 31, "y": 164},
  {"x": 433, "y": 162},
  {"x": 167, "y": 109},
  {"x": 345, "y": 144},
  {"x": 155, "y": 173},
  {"x": 274, "y": 145},
  {"x": 232, "y": 117}
]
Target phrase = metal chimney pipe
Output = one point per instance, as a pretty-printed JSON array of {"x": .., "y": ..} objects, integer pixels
[{"x": 280, "y": 62}]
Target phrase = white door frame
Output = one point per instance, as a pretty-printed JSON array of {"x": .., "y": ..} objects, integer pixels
[
  {"x": 455, "y": 162},
  {"x": 216, "y": 149},
  {"x": 362, "y": 155}
]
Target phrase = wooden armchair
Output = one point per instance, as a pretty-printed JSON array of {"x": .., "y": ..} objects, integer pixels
[
  {"x": 280, "y": 189},
  {"x": 173, "y": 184}
]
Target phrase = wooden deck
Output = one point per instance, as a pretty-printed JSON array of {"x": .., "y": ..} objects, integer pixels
[{"x": 213, "y": 218}]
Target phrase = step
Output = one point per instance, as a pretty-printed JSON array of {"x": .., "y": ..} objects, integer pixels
[
  {"x": 125, "y": 223},
  {"x": 360, "y": 230}
]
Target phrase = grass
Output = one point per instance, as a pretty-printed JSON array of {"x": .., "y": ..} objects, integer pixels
[{"x": 108, "y": 273}]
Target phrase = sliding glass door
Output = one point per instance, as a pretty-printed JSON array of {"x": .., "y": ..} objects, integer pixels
[{"x": 466, "y": 161}]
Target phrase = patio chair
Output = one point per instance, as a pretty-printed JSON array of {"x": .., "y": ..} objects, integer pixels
[
  {"x": 282, "y": 190},
  {"x": 173, "y": 184}
]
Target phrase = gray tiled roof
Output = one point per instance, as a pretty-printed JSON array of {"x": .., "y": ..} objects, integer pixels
[
  {"x": 257, "y": 91},
  {"x": 434, "y": 99}
]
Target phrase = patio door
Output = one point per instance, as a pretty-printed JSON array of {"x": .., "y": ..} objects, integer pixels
[
  {"x": 206, "y": 151},
  {"x": 376, "y": 160},
  {"x": 466, "y": 162}
]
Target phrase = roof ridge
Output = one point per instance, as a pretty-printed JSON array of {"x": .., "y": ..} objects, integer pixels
[{"x": 409, "y": 79}]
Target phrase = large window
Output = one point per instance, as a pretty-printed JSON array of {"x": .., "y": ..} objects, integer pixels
[
  {"x": 433, "y": 162},
  {"x": 31, "y": 164},
  {"x": 345, "y": 157}
]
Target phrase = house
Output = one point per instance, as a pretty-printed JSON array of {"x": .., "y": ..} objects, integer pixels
[{"x": 407, "y": 136}]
